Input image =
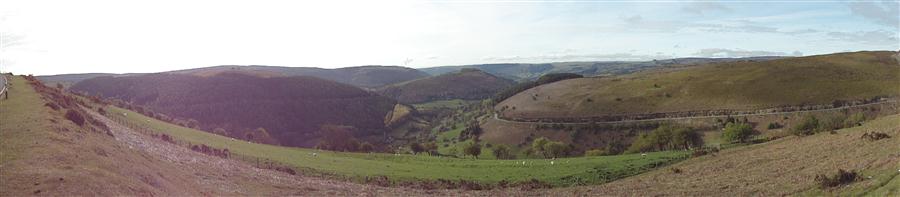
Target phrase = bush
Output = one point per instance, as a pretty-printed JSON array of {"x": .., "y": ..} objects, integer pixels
[
  {"x": 52, "y": 106},
  {"x": 502, "y": 152},
  {"x": 855, "y": 120},
  {"x": 873, "y": 136},
  {"x": 472, "y": 148},
  {"x": 808, "y": 126},
  {"x": 774, "y": 125},
  {"x": 75, "y": 117},
  {"x": 737, "y": 132},
  {"x": 595, "y": 152},
  {"x": 666, "y": 137},
  {"x": 841, "y": 178},
  {"x": 366, "y": 147},
  {"x": 556, "y": 149}
]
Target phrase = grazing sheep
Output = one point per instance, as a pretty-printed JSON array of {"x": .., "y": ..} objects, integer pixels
[
  {"x": 551, "y": 163},
  {"x": 643, "y": 154}
]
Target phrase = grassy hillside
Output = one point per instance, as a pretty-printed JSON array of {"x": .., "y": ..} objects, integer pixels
[
  {"x": 43, "y": 153},
  {"x": 813, "y": 80},
  {"x": 292, "y": 109},
  {"x": 360, "y": 76},
  {"x": 530, "y": 72},
  {"x": 786, "y": 166},
  {"x": 469, "y": 84},
  {"x": 588, "y": 170}
]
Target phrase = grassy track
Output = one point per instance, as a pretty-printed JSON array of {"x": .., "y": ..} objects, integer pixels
[{"x": 589, "y": 170}]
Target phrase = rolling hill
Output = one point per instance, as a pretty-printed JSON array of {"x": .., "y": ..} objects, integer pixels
[
  {"x": 360, "y": 76},
  {"x": 832, "y": 79},
  {"x": 291, "y": 108},
  {"x": 530, "y": 72},
  {"x": 467, "y": 84}
]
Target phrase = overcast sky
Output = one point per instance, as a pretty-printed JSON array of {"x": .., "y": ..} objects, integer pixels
[{"x": 54, "y": 37}]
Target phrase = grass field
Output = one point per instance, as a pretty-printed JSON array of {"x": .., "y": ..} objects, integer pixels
[
  {"x": 813, "y": 80},
  {"x": 357, "y": 166}
]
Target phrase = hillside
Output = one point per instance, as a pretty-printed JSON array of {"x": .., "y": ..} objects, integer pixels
[
  {"x": 783, "y": 167},
  {"x": 467, "y": 84},
  {"x": 530, "y": 72},
  {"x": 832, "y": 79},
  {"x": 360, "y": 76},
  {"x": 291, "y": 109},
  {"x": 69, "y": 79}
]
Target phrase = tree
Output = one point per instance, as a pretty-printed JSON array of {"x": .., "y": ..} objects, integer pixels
[
  {"x": 595, "y": 152},
  {"x": 366, "y": 147},
  {"x": 337, "y": 138},
  {"x": 537, "y": 146},
  {"x": 502, "y": 152},
  {"x": 737, "y": 132},
  {"x": 806, "y": 127},
  {"x": 556, "y": 149},
  {"x": 220, "y": 131},
  {"x": 855, "y": 120},
  {"x": 472, "y": 148},
  {"x": 430, "y": 148},
  {"x": 416, "y": 148},
  {"x": 686, "y": 138}
]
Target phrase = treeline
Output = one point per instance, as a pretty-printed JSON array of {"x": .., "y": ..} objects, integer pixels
[
  {"x": 812, "y": 124},
  {"x": 545, "y": 79}
]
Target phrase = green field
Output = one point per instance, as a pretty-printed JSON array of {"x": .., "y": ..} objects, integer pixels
[{"x": 357, "y": 166}]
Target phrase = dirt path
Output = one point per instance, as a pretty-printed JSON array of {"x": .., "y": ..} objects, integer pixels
[{"x": 218, "y": 176}]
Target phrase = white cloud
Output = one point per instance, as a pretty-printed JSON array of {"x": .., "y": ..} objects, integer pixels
[
  {"x": 730, "y": 53},
  {"x": 705, "y": 7},
  {"x": 886, "y": 13}
]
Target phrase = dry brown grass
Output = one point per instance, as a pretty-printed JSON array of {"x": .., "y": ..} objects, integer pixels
[{"x": 780, "y": 167}]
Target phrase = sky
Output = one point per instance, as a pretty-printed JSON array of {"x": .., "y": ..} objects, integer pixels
[{"x": 120, "y": 36}]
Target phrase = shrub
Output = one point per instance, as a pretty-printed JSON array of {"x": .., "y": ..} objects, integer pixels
[
  {"x": 666, "y": 137},
  {"x": 595, "y": 152},
  {"x": 808, "y": 126},
  {"x": 556, "y": 149},
  {"x": 737, "y": 132},
  {"x": 502, "y": 152},
  {"x": 831, "y": 123},
  {"x": 855, "y": 120},
  {"x": 873, "y": 136},
  {"x": 841, "y": 178},
  {"x": 101, "y": 111},
  {"x": 773, "y": 125},
  {"x": 366, "y": 147},
  {"x": 75, "y": 117},
  {"x": 52, "y": 106},
  {"x": 416, "y": 148},
  {"x": 472, "y": 148}
]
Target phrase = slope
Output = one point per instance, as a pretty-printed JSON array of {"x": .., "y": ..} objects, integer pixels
[
  {"x": 43, "y": 153},
  {"x": 291, "y": 109},
  {"x": 360, "y": 76},
  {"x": 833, "y": 79},
  {"x": 783, "y": 167},
  {"x": 530, "y": 72},
  {"x": 467, "y": 84}
]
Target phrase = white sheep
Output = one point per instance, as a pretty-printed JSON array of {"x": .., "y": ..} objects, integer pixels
[{"x": 551, "y": 163}]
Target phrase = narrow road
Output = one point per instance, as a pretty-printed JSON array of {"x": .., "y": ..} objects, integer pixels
[{"x": 496, "y": 116}]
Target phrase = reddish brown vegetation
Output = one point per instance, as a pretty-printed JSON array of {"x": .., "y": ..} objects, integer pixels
[
  {"x": 291, "y": 108},
  {"x": 56, "y": 99}
]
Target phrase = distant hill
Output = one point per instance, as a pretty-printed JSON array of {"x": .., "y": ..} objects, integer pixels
[
  {"x": 292, "y": 109},
  {"x": 360, "y": 76},
  {"x": 530, "y": 72},
  {"x": 69, "y": 79},
  {"x": 813, "y": 80},
  {"x": 467, "y": 84}
]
